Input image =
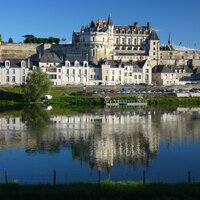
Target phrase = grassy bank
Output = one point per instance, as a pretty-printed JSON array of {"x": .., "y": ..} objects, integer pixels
[
  {"x": 109, "y": 190},
  {"x": 172, "y": 101},
  {"x": 77, "y": 100}
]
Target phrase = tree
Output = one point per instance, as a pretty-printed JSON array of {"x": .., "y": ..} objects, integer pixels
[
  {"x": 36, "y": 86},
  {"x": 10, "y": 40},
  {"x": 33, "y": 39},
  {"x": 0, "y": 38}
]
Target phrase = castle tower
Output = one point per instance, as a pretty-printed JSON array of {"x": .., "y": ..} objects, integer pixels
[{"x": 154, "y": 47}]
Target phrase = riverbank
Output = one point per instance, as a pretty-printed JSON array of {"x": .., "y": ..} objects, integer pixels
[
  {"x": 105, "y": 190},
  {"x": 71, "y": 96}
]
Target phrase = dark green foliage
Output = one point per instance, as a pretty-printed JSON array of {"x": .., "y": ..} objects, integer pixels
[
  {"x": 107, "y": 190},
  {"x": 174, "y": 101},
  {"x": 37, "y": 85},
  {"x": 1, "y": 38},
  {"x": 33, "y": 39},
  {"x": 10, "y": 40},
  {"x": 167, "y": 48},
  {"x": 34, "y": 116}
]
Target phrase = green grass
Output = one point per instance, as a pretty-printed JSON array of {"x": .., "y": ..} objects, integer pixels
[
  {"x": 106, "y": 190},
  {"x": 77, "y": 100}
]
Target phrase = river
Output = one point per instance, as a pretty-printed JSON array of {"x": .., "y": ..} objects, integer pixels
[{"x": 102, "y": 144}]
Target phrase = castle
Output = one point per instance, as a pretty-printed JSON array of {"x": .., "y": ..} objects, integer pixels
[{"x": 102, "y": 53}]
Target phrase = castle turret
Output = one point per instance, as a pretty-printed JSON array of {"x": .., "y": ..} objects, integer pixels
[
  {"x": 154, "y": 46},
  {"x": 109, "y": 22}
]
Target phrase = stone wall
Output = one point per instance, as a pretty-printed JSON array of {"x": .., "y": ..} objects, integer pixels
[{"x": 18, "y": 50}]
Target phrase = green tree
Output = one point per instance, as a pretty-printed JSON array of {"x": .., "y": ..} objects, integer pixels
[
  {"x": 33, "y": 39},
  {"x": 37, "y": 85},
  {"x": 10, "y": 40},
  {"x": 0, "y": 38}
]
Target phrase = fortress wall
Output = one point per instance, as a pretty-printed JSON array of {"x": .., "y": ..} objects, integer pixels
[{"x": 18, "y": 50}]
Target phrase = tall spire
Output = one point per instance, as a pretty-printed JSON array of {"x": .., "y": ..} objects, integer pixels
[
  {"x": 169, "y": 39},
  {"x": 109, "y": 22}
]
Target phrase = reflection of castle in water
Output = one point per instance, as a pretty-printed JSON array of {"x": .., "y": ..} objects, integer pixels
[{"x": 104, "y": 138}]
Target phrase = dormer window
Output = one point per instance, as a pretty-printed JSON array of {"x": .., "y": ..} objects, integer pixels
[
  {"x": 67, "y": 63},
  {"x": 76, "y": 64},
  {"x": 7, "y": 63},
  {"x": 23, "y": 64},
  {"x": 85, "y": 64}
]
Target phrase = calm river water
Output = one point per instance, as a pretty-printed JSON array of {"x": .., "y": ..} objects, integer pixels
[{"x": 104, "y": 144}]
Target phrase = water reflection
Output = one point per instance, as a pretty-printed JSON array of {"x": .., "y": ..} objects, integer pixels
[{"x": 103, "y": 139}]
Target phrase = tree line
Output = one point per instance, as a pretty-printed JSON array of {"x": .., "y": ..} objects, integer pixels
[{"x": 33, "y": 39}]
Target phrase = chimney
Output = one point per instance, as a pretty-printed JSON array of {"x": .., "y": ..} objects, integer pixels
[{"x": 135, "y": 25}]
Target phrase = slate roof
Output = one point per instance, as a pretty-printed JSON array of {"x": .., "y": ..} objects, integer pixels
[
  {"x": 50, "y": 57},
  {"x": 15, "y": 63},
  {"x": 187, "y": 69},
  {"x": 154, "y": 36},
  {"x": 116, "y": 64},
  {"x": 162, "y": 69},
  {"x": 72, "y": 58},
  {"x": 109, "y": 22}
]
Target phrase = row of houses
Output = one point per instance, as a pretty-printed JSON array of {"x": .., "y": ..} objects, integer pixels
[{"x": 74, "y": 70}]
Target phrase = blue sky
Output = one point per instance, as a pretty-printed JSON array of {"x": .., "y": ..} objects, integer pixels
[{"x": 44, "y": 18}]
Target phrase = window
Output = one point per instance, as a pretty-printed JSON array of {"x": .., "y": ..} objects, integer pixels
[
  {"x": 23, "y": 79},
  {"x": 113, "y": 78},
  {"x": 7, "y": 63},
  {"x": 123, "y": 40},
  {"x": 139, "y": 76},
  {"x": 52, "y": 76},
  {"x": 73, "y": 71},
  {"x": 79, "y": 71},
  {"x": 141, "y": 41},
  {"x": 135, "y": 76},
  {"x": 113, "y": 72},
  {"x": 67, "y": 64},
  {"x": 59, "y": 70},
  {"x": 13, "y": 71},
  {"x": 93, "y": 52},
  {"x": 120, "y": 72},
  {"x": 146, "y": 70},
  {"x": 23, "y": 64},
  {"x": 7, "y": 71},
  {"x": 13, "y": 79},
  {"x": 135, "y": 41},
  {"x": 155, "y": 54},
  {"x": 85, "y": 71},
  {"x": 76, "y": 64},
  {"x": 7, "y": 78},
  {"x": 117, "y": 40},
  {"x": 23, "y": 71},
  {"x": 129, "y": 41},
  {"x": 85, "y": 64},
  {"x": 93, "y": 39},
  {"x": 154, "y": 43}
]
